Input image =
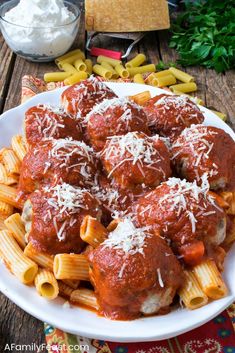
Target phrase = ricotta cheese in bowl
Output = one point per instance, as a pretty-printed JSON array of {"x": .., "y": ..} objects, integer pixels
[{"x": 39, "y": 30}]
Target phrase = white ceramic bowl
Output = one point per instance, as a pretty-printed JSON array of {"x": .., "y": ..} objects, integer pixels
[
  {"x": 86, "y": 323},
  {"x": 39, "y": 44}
]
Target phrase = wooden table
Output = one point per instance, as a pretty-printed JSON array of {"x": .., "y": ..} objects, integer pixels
[{"x": 216, "y": 90}]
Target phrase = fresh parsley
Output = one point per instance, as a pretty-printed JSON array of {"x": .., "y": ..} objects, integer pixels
[
  {"x": 204, "y": 34},
  {"x": 163, "y": 66}
]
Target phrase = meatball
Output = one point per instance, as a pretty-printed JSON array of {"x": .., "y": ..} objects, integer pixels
[
  {"x": 80, "y": 98},
  {"x": 116, "y": 116},
  {"x": 185, "y": 214},
  {"x": 168, "y": 115},
  {"x": 135, "y": 158},
  {"x": 205, "y": 149},
  {"x": 44, "y": 122},
  {"x": 51, "y": 162},
  {"x": 134, "y": 273},
  {"x": 53, "y": 215}
]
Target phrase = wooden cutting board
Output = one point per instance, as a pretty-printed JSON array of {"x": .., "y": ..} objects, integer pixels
[{"x": 126, "y": 15}]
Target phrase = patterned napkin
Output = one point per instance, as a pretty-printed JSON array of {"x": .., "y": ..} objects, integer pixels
[{"x": 217, "y": 336}]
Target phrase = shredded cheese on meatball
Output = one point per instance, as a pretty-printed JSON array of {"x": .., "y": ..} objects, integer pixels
[
  {"x": 127, "y": 238},
  {"x": 139, "y": 149}
]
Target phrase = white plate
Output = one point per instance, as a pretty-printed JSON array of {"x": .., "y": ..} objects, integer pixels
[{"x": 83, "y": 322}]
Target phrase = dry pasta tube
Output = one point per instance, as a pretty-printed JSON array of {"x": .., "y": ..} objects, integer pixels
[
  {"x": 191, "y": 294},
  {"x": 113, "y": 62},
  {"x": 165, "y": 80},
  {"x": 80, "y": 65},
  {"x": 181, "y": 75},
  {"x": 138, "y": 78},
  {"x": 3, "y": 174},
  {"x": 2, "y": 225},
  {"x": 92, "y": 231},
  {"x": 76, "y": 78},
  {"x": 44, "y": 260},
  {"x": 220, "y": 115},
  {"x": 10, "y": 161},
  {"x": 122, "y": 72},
  {"x": 210, "y": 279},
  {"x": 22, "y": 267},
  {"x": 102, "y": 71},
  {"x": 141, "y": 98},
  {"x": 152, "y": 80},
  {"x": 162, "y": 73},
  {"x": 46, "y": 284},
  {"x": 64, "y": 290},
  {"x": 184, "y": 87},
  {"x": 229, "y": 197},
  {"x": 141, "y": 69},
  {"x": 71, "y": 59},
  {"x": 56, "y": 76},
  {"x": 89, "y": 66},
  {"x": 8, "y": 194},
  {"x": 18, "y": 146},
  {"x": 69, "y": 68},
  {"x": 71, "y": 266},
  {"x": 84, "y": 297},
  {"x": 109, "y": 67},
  {"x": 136, "y": 61},
  {"x": 6, "y": 209},
  {"x": 67, "y": 55}
]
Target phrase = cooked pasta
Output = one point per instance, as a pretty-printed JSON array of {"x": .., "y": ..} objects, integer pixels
[
  {"x": 10, "y": 161},
  {"x": 84, "y": 297},
  {"x": 15, "y": 225},
  {"x": 92, "y": 231},
  {"x": 191, "y": 293},
  {"x": 229, "y": 198},
  {"x": 71, "y": 266},
  {"x": 43, "y": 260},
  {"x": 46, "y": 284},
  {"x": 8, "y": 194},
  {"x": 141, "y": 98},
  {"x": 2, "y": 219},
  {"x": 136, "y": 61},
  {"x": 210, "y": 279},
  {"x": 21, "y": 266},
  {"x": 5, "y": 209},
  {"x": 64, "y": 290},
  {"x": 181, "y": 75},
  {"x": 3, "y": 174},
  {"x": 18, "y": 146}
]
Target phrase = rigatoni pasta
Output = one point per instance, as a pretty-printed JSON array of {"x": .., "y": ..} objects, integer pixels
[
  {"x": 210, "y": 279},
  {"x": 46, "y": 284},
  {"x": 5, "y": 209},
  {"x": 18, "y": 146},
  {"x": 92, "y": 231},
  {"x": 136, "y": 61},
  {"x": 76, "y": 78},
  {"x": 22, "y": 267},
  {"x": 84, "y": 297},
  {"x": 141, "y": 98},
  {"x": 10, "y": 161},
  {"x": 9, "y": 195},
  {"x": 15, "y": 225},
  {"x": 102, "y": 71},
  {"x": 43, "y": 260},
  {"x": 184, "y": 87},
  {"x": 191, "y": 293},
  {"x": 181, "y": 75},
  {"x": 141, "y": 69},
  {"x": 71, "y": 266}
]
